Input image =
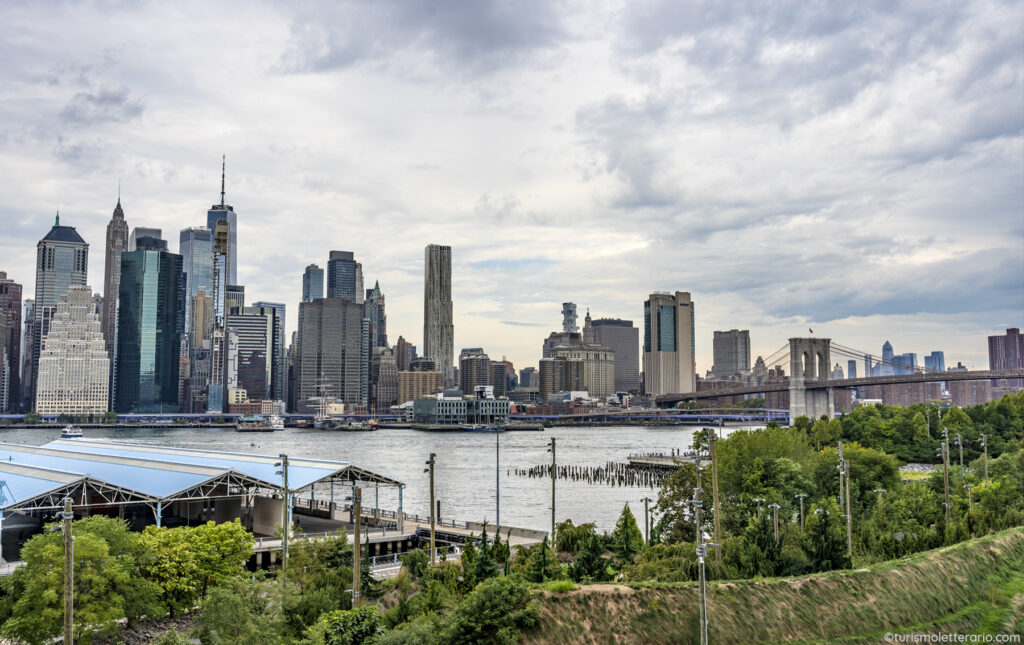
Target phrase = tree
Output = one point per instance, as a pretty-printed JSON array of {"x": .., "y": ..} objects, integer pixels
[
  {"x": 539, "y": 562},
  {"x": 241, "y": 611},
  {"x": 174, "y": 569},
  {"x": 826, "y": 538},
  {"x": 494, "y": 612},
  {"x": 674, "y": 523},
  {"x": 627, "y": 540},
  {"x": 351, "y": 627},
  {"x": 32, "y": 418},
  {"x": 37, "y": 615},
  {"x": 590, "y": 564},
  {"x": 221, "y": 551},
  {"x": 485, "y": 566}
]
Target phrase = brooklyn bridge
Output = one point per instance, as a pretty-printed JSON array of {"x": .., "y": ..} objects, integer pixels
[{"x": 812, "y": 390}]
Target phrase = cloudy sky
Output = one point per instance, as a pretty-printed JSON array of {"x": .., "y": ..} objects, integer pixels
[{"x": 856, "y": 168}]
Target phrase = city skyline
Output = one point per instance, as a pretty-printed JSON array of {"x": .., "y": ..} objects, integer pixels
[{"x": 569, "y": 189}]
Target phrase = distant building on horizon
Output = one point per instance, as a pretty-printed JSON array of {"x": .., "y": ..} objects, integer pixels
[
  {"x": 935, "y": 362},
  {"x": 62, "y": 261},
  {"x": 344, "y": 276},
  {"x": 329, "y": 355},
  {"x": 731, "y": 354},
  {"x": 10, "y": 345},
  {"x": 851, "y": 368},
  {"x": 569, "y": 318},
  {"x": 117, "y": 243},
  {"x": 1006, "y": 352},
  {"x": 312, "y": 283},
  {"x": 140, "y": 232},
  {"x": 669, "y": 344},
  {"x": 226, "y": 213},
  {"x": 438, "y": 326},
  {"x": 623, "y": 338},
  {"x": 74, "y": 367},
  {"x": 149, "y": 328}
]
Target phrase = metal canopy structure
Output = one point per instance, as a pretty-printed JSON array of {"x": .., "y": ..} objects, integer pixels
[
  {"x": 303, "y": 472},
  {"x": 25, "y": 487},
  {"x": 111, "y": 473}
]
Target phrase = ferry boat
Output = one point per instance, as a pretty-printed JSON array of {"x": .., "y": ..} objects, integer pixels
[
  {"x": 253, "y": 424},
  {"x": 276, "y": 422},
  {"x": 71, "y": 432}
]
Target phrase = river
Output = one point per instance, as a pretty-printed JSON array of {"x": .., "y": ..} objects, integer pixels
[{"x": 465, "y": 465}]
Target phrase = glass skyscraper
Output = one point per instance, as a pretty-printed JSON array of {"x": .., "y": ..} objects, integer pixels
[
  {"x": 226, "y": 213},
  {"x": 344, "y": 276},
  {"x": 312, "y": 283},
  {"x": 149, "y": 332},
  {"x": 196, "y": 250}
]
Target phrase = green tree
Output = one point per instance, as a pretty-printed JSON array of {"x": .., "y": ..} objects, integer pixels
[
  {"x": 221, "y": 551},
  {"x": 539, "y": 562},
  {"x": 174, "y": 568},
  {"x": 241, "y": 611},
  {"x": 37, "y": 615},
  {"x": 674, "y": 523},
  {"x": 494, "y": 612},
  {"x": 825, "y": 542},
  {"x": 416, "y": 561},
  {"x": 32, "y": 418},
  {"x": 351, "y": 627},
  {"x": 627, "y": 540},
  {"x": 590, "y": 564},
  {"x": 485, "y": 565}
]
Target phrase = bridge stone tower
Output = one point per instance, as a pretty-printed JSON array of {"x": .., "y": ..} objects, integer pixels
[{"x": 809, "y": 360}]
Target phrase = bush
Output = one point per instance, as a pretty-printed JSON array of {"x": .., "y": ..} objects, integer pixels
[{"x": 493, "y": 613}]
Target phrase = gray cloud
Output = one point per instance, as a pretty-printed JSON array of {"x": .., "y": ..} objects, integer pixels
[
  {"x": 104, "y": 105},
  {"x": 477, "y": 37}
]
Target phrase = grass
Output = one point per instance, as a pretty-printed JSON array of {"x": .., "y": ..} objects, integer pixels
[
  {"x": 976, "y": 586},
  {"x": 914, "y": 475}
]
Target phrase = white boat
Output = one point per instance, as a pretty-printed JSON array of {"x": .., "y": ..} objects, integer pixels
[
  {"x": 276, "y": 421},
  {"x": 71, "y": 432}
]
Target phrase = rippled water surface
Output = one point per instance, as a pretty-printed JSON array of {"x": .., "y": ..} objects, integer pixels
[{"x": 465, "y": 482}]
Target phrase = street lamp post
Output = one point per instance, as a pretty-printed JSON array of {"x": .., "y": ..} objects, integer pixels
[
  {"x": 801, "y": 496},
  {"x": 69, "y": 571},
  {"x": 960, "y": 445},
  {"x": 433, "y": 543},
  {"x": 775, "y": 519},
  {"x": 497, "y": 479},
  {"x": 984, "y": 445},
  {"x": 551, "y": 449},
  {"x": 970, "y": 499},
  {"x": 759, "y": 501}
]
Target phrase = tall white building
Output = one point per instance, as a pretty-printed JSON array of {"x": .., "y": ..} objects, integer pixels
[
  {"x": 74, "y": 368},
  {"x": 669, "y": 345},
  {"x": 438, "y": 328}
]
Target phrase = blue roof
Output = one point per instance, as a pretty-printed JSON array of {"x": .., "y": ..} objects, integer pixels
[
  {"x": 155, "y": 480},
  {"x": 301, "y": 471},
  {"x": 20, "y": 482}
]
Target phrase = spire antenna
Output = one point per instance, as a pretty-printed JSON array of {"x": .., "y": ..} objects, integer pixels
[
  {"x": 118, "y": 191},
  {"x": 223, "y": 165}
]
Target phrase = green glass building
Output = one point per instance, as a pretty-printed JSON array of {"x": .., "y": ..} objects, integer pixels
[{"x": 150, "y": 317}]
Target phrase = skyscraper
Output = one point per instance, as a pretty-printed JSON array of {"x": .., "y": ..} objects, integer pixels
[
  {"x": 74, "y": 367},
  {"x": 404, "y": 354},
  {"x": 669, "y": 344},
  {"x": 142, "y": 231},
  {"x": 344, "y": 276},
  {"x": 312, "y": 283},
  {"x": 329, "y": 359},
  {"x": 117, "y": 243},
  {"x": 254, "y": 327},
  {"x": 196, "y": 250},
  {"x": 62, "y": 261},
  {"x": 1006, "y": 352},
  {"x": 935, "y": 362},
  {"x": 225, "y": 213},
  {"x": 279, "y": 377},
  {"x": 149, "y": 333},
  {"x": 731, "y": 353},
  {"x": 624, "y": 338},
  {"x": 438, "y": 327},
  {"x": 569, "y": 318},
  {"x": 851, "y": 368},
  {"x": 10, "y": 344},
  {"x": 375, "y": 314},
  {"x": 888, "y": 366}
]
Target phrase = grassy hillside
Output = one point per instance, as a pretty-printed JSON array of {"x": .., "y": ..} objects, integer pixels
[{"x": 975, "y": 586}]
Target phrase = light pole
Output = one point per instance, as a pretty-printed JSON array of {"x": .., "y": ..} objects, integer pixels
[
  {"x": 714, "y": 492},
  {"x": 984, "y": 445},
  {"x": 801, "y": 496},
  {"x": 551, "y": 449},
  {"x": 430, "y": 469},
  {"x": 970, "y": 499},
  {"x": 647, "y": 520},
  {"x": 759, "y": 501},
  {"x": 844, "y": 473},
  {"x": 960, "y": 445},
  {"x": 357, "y": 512},
  {"x": 286, "y": 510},
  {"x": 945, "y": 471},
  {"x": 69, "y": 569},
  {"x": 775, "y": 519},
  {"x": 497, "y": 479},
  {"x": 701, "y": 552}
]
